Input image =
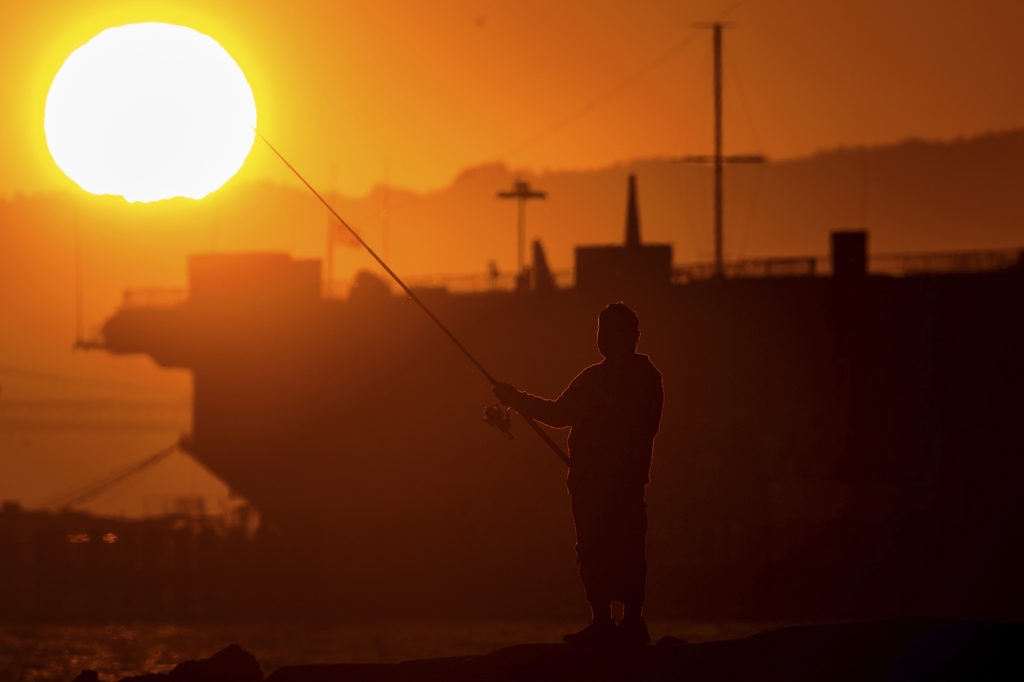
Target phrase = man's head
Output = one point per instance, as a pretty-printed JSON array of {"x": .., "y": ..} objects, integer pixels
[{"x": 617, "y": 331}]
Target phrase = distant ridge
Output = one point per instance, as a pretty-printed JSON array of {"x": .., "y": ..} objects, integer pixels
[
  {"x": 998, "y": 137},
  {"x": 912, "y": 196}
]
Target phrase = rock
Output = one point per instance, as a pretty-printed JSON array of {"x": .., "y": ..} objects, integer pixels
[
  {"x": 914, "y": 650},
  {"x": 669, "y": 640},
  {"x": 232, "y": 664},
  {"x": 893, "y": 650}
]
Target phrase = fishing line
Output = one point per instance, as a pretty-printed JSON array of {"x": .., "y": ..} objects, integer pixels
[{"x": 416, "y": 299}]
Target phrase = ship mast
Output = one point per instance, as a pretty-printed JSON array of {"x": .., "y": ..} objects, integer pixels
[{"x": 718, "y": 159}]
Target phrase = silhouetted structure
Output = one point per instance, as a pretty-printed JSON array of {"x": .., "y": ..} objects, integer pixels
[
  {"x": 75, "y": 566},
  {"x": 543, "y": 279},
  {"x": 632, "y": 267},
  {"x": 521, "y": 192},
  {"x": 718, "y": 159},
  {"x": 833, "y": 446},
  {"x": 849, "y": 255}
]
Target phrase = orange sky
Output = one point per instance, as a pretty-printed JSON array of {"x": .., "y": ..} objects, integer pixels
[{"x": 412, "y": 92}]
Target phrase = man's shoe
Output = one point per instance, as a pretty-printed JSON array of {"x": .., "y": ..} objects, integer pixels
[
  {"x": 633, "y": 631},
  {"x": 598, "y": 632}
]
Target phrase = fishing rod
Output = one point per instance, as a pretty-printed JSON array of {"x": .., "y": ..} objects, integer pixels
[{"x": 416, "y": 299}]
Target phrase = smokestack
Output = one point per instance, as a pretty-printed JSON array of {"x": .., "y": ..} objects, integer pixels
[
  {"x": 543, "y": 280},
  {"x": 632, "y": 215}
]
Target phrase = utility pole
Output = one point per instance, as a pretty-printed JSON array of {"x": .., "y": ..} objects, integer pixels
[
  {"x": 522, "y": 192},
  {"x": 718, "y": 159}
]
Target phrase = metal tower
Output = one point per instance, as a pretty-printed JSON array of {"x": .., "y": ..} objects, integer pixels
[{"x": 718, "y": 159}]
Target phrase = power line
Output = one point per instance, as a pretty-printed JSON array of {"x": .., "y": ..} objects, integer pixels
[
  {"x": 99, "y": 487},
  {"x": 737, "y": 87},
  {"x": 593, "y": 104},
  {"x": 615, "y": 89},
  {"x": 600, "y": 99}
]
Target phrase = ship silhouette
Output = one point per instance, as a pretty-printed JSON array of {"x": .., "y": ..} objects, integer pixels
[{"x": 836, "y": 442}]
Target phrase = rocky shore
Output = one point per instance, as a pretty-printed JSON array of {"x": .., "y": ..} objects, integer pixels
[{"x": 887, "y": 650}]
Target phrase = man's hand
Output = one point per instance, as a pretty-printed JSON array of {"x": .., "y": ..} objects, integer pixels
[{"x": 507, "y": 394}]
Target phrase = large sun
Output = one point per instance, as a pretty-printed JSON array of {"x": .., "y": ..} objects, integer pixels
[{"x": 150, "y": 111}]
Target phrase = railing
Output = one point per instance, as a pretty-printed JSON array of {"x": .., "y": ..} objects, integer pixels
[
  {"x": 892, "y": 264},
  {"x": 478, "y": 282},
  {"x": 805, "y": 266},
  {"x": 902, "y": 264}
]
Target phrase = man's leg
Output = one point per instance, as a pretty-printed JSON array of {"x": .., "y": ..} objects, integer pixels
[
  {"x": 588, "y": 511},
  {"x": 633, "y": 575},
  {"x": 601, "y": 609}
]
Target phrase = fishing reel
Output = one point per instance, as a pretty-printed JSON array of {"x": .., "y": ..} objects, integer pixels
[{"x": 500, "y": 417}]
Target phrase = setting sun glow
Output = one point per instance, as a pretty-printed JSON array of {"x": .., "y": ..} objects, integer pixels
[{"x": 150, "y": 111}]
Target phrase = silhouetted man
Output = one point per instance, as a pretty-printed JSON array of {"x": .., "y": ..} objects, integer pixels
[{"x": 614, "y": 409}]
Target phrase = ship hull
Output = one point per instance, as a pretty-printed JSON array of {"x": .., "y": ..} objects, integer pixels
[{"x": 829, "y": 447}]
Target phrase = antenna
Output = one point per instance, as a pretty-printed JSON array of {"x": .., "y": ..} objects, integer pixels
[
  {"x": 718, "y": 159},
  {"x": 522, "y": 192}
]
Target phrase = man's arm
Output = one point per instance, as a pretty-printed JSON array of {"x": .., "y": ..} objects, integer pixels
[
  {"x": 558, "y": 413},
  {"x": 654, "y": 405}
]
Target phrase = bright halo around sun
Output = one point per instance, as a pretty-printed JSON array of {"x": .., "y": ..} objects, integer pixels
[{"x": 148, "y": 112}]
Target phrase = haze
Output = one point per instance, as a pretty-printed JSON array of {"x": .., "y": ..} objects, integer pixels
[{"x": 411, "y": 95}]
